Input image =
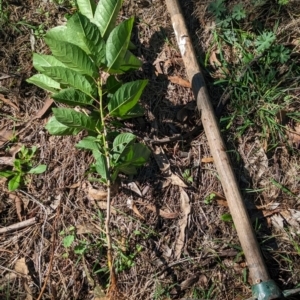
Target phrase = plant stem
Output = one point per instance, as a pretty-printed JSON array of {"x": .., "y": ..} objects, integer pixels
[{"x": 108, "y": 208}]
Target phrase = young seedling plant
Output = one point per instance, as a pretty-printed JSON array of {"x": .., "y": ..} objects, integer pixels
[
  {"x": 87, "y": 54},
  {"x": 22, "y": 167}
]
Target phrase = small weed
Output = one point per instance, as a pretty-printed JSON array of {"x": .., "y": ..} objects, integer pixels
[
  {"x": 226, "y": 217},
  {"x": 258, "y": 91},
  {"x": 187, "y": 176},
  {"x": 22, "y": 167},
  {"x": 209, "y": 198}
]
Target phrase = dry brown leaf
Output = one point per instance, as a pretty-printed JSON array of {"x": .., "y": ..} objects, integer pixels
[
  {"x": 103, "y": 205},
  {"x": 132, "y": 206},
  {"x": 180, "y": 81},
  {"x": 21, "y": 267},
  {"x": 99, "y": 293},
  {"x": 133, "y": 187},
  {"x": 15, "y": 149},
  {"x": 28, "y": 291},
  {"x": 294, "y": 135},
  {"x": 183, "y": 222},
  {"x": 86, "y": 228},
  {"x": 162, "y": 213},
  {"x": 97, "y": 194},
  {"x": 44, "y": 109},
  {"x": 213, "y": 60},
  {"x": 164, "y": 166},
  {"x": 207, "y": 159},
  {"x": 5, "y": 135},
  {"x": 18, "y": 204},
  {"x": 8, "y": 102},
  {"x": 6, "y": 161}
]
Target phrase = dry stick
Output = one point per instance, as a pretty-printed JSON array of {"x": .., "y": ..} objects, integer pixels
[
  {"x": 43, "y": 230},
  {"x": 256, "y": 265},
  {"x": 18, "y": 226}
]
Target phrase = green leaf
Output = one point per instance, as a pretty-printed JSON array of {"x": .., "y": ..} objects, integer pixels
[
  {"x": 72, "y": 56},
  {"x": 128, "y": 170},
  {"x": 40, "y": 61},
  {"x": 17, "y": 165},
  {"x": 121, "y": 144},
  {"x": 87, "y": 7},
  {"x": 44, "y": 82},
  {"x": 68, "y": 241},
  {"x": 72, "y": 97},
  {"x": 217, "y": 8},
  {"x": 89, "y": 143},
  {"x": 226, "y": 218},
  {"x": 238, "y": 12},
  {"x": 59, "y": 33},
  {"x": 71, "y": 77},
  {"x": 130, "y": 62},
  {"x": 112, "y": 84},
  {"x": 123, "y": 138},
  {"x": 264, "y": 41},
  {"x": 100, "y": 165},
  {"x": 136, "y": 111},
  {"x": 71, "y": 118},
  {"x": 15, "y": 182},
  {"x": 7, "y": 173},
  {"x": 87, "y": 36},
  {"x": 126, "y": 98},
  {"x": 56, "y": 128},
  {"x": 105, "y": 16},
  {"x": 38, "y": 170},
  {"x": 138, "y": 155},
  {"x": 117, "y": 44}
]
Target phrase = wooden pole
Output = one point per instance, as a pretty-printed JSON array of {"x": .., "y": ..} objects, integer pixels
[{"x": 255, "y": 262}]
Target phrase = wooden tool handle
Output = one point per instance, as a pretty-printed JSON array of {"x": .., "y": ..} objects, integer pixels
[{"x": 256, "y": 265}]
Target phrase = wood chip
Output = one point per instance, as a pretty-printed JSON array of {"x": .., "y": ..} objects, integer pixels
[
  {"x": 180, "y": 81},
  {"x": 183, "y": 222}
]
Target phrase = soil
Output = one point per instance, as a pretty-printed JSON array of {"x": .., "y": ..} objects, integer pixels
[{"x": 152, "y": 212}]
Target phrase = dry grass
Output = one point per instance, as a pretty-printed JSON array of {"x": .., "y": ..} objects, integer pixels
[{"x": 211, "y": 265}]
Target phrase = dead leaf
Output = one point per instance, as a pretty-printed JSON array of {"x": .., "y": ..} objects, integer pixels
[
  {"x": 6, "y": 135},
  {"x": 86, "y": 228},
  {"x": 161, "y": 212},
  {"x": 99, "y": 293},
  {"x": 103, "y": 205},
  {"x": 28, "y": 291},
  {"x": 213, "y": 60},
  {"x": 97, "y": 194},
  {"x": 277, "y": 221},
  {"x": 21, "y": 267},
  {"x": 292, "y": 216},
  {"x": 15, "y": 149},
  {"x": 164, "y": 166},
  {"x": 6, "y": 161},
  {"x": 133, "y": 187},
  {"x": 207, "y": 159},
  {"x": 8, "y": 102},
  {"x": 179, "y": 81},
  {"x": 18, "y": 204},
  {"x": 44, "y": 109},
  {"x": 294, "y": 135},
  {"x": 132, "y": 206},
  {"x": 183, "y": 222}
]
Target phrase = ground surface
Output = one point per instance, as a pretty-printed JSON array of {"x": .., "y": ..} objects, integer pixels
[{"x": 148, "y": 217}]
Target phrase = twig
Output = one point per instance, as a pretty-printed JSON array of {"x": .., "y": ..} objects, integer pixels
[
  {"x": 43, "y": 230},
  {"x": 17, "y": 226},
  {"x": 175, "y": 137}
]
